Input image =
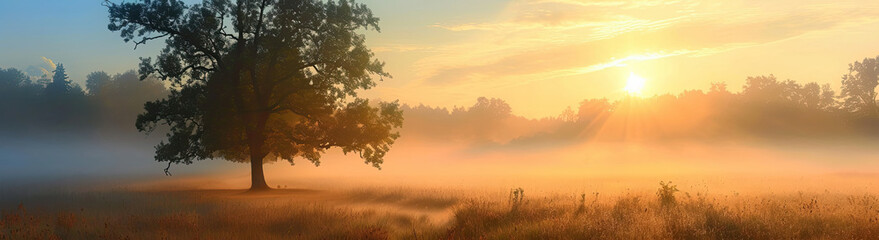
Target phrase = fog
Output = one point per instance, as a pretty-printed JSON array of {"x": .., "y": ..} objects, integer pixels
[
  {"x": 572, "y": 169},
  {"x": 718, "y": 140},
  {"x": 585, "y": 167}
]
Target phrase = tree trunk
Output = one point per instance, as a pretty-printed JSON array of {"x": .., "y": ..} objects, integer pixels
[
  {"x": 257, "y": 153},
  {"x": 257, "y": 178}
]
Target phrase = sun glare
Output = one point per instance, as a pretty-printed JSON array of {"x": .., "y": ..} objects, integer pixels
[{"x": 634, "y": 85}]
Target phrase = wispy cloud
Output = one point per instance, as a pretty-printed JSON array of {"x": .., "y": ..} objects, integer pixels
[
  {"x": 547, "y": 37},
  {"x": 611, "y": 3},
  {"x": 401, "y": 48},
  {"x": 50, "y": 64},
  {"x": 628, "y": 59}
]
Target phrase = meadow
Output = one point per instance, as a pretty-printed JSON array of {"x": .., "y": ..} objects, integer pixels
[
  {"x": 666, "y": 212},
  {"x": 502, "y": 119}
]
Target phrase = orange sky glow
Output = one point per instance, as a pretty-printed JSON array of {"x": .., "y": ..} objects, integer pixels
[{"x": 544, "y": 55}]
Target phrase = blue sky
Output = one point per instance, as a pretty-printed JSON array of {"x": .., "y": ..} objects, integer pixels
[
  {"x": 74, "y": 32},
  {"x": 70, "y": 32}
]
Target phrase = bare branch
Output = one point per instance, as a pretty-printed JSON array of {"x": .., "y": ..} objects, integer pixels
[
  {"x": 167, "y": 172},
  {"x": 145, "y": 39}
]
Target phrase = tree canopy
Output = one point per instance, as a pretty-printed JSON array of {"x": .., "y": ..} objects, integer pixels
[
  {"x": 261, "y": 80},
  {"x": 95, "y": 81},
  {"x": 859, "y": 87},
  {"x": 60, "y": 84}
]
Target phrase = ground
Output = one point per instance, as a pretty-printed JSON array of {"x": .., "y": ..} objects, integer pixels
[{"x": 424, "y": 213}]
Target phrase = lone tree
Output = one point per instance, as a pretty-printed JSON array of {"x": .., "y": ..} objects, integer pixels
[{"x": 260, "y": 80}]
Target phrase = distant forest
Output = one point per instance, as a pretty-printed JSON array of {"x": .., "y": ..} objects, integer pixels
[
  {"x": 766, "y": 108},
  {"x": 53, "y": 104}
]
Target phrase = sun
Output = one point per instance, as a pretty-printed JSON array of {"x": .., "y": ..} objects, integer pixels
[{"x": 634, "y": 85}]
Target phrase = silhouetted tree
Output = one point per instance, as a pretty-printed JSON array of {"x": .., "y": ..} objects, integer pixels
[
  {"x": 60, "y": 84},
  {"x": 810, "y": 95},
  {"x": 859, "y": 87},
  {"x": 568, "y": 115},
  {"x": 814, "y": 96},
  {"x": 280, "y": 82},
  {"x": 827, "y": 100},
  {"x": 593, "y": 109},
  {"x": 718, "y": 88},
  {"x": 18, "y": 96},
  {"x": 493, "y": 108},
  {"x": 12, "y": 78},
  {"x": 95, "y": 81},
  {"x": 768, "y": 90},
  {"x": 487, "y": 116}
]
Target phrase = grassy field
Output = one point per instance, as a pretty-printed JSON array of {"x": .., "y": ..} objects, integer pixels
[{"x": 406, "y": 213}]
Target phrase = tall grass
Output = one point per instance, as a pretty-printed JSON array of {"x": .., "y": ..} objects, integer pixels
[
  {"x": 412, "y": 214},
  {"x": 638, "y": 216}
]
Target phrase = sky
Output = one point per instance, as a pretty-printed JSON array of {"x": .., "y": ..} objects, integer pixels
[{"x": 539, "y": 55}]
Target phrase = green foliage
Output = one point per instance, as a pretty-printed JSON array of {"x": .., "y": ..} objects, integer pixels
[
  {"x": 280, "y": 82},
  {"x": 666, "y": 194}
]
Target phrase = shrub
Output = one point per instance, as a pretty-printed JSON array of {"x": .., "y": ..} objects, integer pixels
[{"x": 666, "y": 194}]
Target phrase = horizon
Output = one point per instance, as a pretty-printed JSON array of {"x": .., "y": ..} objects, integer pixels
[{"x": 399, "y": 119}]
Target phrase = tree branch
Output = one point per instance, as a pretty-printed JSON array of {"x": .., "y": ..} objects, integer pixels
[
  {"x": 173, "y": 32},
  {"x": 167, "y": 172},
  {"x": 145, "y": 39},
  {"x": 279, "y": 109}
]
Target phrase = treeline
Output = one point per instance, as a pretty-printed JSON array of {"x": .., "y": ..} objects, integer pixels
[
  {"x": 765, "y": 108},
  {"x": 54, "y": 104},
  {"x": 488, "y": 120}
]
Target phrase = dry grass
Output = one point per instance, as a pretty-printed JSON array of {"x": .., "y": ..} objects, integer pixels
[
  {"x": 211, "y": 215},
  {"x": 644, "y": 216},
  {"x": 437, "y": 214}
]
